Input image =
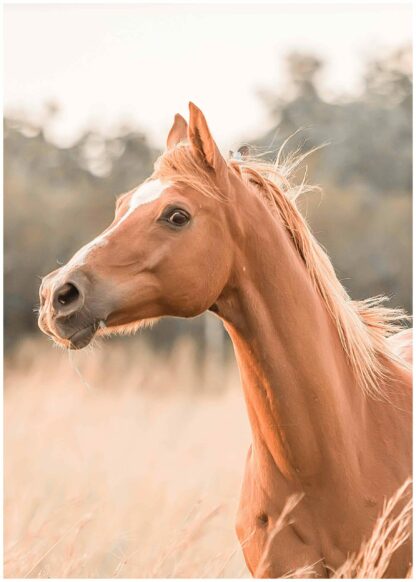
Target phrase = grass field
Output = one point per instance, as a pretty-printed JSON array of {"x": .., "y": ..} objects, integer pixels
[{"x": 122, "y": 464}]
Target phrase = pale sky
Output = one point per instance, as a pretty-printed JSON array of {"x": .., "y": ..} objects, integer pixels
[{"x": 106, "y": 64}]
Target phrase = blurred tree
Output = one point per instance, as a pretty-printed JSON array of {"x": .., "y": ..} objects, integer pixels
[
  {"x": 388, "y": 81},
  {"x": 365, "y": 219},
  {"x": 370, "y": 137}
]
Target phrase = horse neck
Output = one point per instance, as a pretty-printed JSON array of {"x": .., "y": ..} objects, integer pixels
[{"x": 303, "y": 404}]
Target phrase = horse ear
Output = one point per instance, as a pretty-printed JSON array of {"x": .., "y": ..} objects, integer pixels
[
  {"x": 201, "y": 140},
  {"x": 178, "y": 132}
]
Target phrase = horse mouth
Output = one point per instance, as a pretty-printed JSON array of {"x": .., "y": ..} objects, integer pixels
[
  {"x": 81, "y": 338},
  {"x": 74, "y": 339}
]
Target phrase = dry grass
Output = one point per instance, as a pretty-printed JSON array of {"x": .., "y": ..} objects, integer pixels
[
  {"x": 391, "y": 531},
  {"x": 137, "y": 475},
  {"x": 118, "y": 465}
]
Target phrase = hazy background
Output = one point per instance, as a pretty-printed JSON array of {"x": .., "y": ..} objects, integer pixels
[{"x": 99, "y": 444}]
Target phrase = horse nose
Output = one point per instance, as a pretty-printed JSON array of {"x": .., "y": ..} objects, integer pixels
[{"x": 67, "y": 299}]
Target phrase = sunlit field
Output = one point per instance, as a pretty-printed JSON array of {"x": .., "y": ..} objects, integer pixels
[{"x": 122, "y": 463}]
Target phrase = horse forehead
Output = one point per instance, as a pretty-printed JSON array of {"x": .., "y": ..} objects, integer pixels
[{"x": 147, "y": 192}]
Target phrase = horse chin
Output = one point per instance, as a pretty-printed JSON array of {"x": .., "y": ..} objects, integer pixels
[
  {"x": 82, "y": 338},
  {"x": 78, "y": 340}
]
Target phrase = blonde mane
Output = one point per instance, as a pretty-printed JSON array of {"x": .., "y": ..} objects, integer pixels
[{"x": 363, "y": 326}]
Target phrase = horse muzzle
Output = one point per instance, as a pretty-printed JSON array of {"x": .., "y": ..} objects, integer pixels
[{"x": 68, "y": 313}]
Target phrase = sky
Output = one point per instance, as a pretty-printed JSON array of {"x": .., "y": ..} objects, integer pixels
[{"x": 110, "y": 64}]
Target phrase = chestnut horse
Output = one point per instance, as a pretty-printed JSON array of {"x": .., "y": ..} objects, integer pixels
[{"x": 328, "y": 392}]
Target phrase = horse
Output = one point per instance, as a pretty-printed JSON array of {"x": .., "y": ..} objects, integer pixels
[{"x": 326, "y": 379}]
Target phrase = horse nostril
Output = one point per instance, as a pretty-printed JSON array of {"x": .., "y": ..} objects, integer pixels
[{"x": 67, "y": 294}]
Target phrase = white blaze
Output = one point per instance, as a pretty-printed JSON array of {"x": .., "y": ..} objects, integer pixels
[{"x": 147, "y": 192}]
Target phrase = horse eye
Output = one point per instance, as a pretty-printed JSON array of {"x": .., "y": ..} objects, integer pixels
[{"x": 178, "y": 218}]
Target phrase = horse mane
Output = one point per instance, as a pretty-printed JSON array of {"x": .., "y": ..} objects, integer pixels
[{"x": 363, "y": 326}]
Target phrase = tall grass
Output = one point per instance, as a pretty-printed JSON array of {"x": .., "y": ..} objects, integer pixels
[
  {"x": 390, "y": 532},
  {"x": 123, "y": 463}
]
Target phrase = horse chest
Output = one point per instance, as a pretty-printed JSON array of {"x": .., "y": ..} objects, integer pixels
[
  {"x": 274, "y": 545},
  {"x": 278, "y": 537}
]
